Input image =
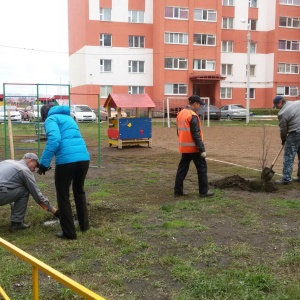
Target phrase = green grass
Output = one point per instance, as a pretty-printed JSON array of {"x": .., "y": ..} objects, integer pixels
[
  {"x": 286, "y": 204},
  {"x": 146, "y": 244}
]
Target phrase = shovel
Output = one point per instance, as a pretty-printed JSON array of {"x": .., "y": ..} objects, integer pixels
[{"x": 268, "y": 173}]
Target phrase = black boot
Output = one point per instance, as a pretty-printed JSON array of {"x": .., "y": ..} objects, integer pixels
[
  {"x": 19, "y": 226},
  {"x": 61, "y": 235}
]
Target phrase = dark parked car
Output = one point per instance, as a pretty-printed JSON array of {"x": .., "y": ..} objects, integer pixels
[
  {"x": 33, "y": 114},
  {"x": 233, "y": 111},
  {"x": 113, "y": 113},
  {"x": 173, "y": 112},
  {"x": 24, "y": 114},
  {"x": 214, "y": 112}
]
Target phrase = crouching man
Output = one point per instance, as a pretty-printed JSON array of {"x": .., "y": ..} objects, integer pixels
[{"x": 17, "y": 182}]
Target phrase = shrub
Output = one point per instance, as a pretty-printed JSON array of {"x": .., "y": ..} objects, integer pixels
[{"x": 264, "y": 111}]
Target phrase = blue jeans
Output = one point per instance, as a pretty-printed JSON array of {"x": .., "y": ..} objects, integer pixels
[{"x": 291, "y": 148}]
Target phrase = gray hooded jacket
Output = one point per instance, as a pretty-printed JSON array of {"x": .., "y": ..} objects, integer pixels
[{"x": 289, "y": 118}]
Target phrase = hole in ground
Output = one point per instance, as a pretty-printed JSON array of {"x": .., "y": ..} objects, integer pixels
[{"x": 240, "y": 183}]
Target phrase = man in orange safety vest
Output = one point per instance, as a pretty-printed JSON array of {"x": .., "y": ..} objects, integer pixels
[{"x": 191, "y": 147}]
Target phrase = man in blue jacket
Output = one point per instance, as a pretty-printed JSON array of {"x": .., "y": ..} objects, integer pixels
[{"x": 64, "y": 141}]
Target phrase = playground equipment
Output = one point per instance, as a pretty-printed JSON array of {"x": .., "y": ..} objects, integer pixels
[
  {"x": 135, "y": 130},
  {"x": 25, "y": 94}
]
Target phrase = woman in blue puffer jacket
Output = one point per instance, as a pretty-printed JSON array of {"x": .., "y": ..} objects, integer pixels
[{"x": 64, "y": 141}]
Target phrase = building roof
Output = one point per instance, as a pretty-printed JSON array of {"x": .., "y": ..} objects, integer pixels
[
  {"x": 129, "y": 101},
  {"x": 64, "y": 97}
]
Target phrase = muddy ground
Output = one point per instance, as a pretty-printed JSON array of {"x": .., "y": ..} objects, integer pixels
[
  {"x": 249, "y": 215},
  {"x": 251, "y": 148},
  {"x": 131, "y": 201}
]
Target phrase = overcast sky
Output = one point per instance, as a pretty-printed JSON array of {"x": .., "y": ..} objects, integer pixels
[{"x": 33, "y": 42}]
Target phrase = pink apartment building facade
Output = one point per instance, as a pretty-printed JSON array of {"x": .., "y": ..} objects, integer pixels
[{"x": 176, "y": 48}]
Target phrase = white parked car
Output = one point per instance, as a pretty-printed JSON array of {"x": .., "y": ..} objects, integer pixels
[
  {"x": 233, "y": 111},
  {"x": 82, "y": 113},
  {"x": 15, "y": 115}
]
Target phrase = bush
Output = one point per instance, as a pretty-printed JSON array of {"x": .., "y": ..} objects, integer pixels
[{"x": 264, "y": 111}]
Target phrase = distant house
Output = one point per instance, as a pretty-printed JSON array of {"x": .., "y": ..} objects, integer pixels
[{"x": 56, "y": 100}]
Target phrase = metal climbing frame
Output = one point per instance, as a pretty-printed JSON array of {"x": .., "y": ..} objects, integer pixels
[{"x": 14, "y": 90}]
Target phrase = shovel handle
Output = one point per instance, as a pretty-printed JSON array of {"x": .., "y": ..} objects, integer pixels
[{"x": 274, "y": 161}]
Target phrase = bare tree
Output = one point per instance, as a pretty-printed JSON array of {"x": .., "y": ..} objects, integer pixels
[{"x": 266, "y": 142}]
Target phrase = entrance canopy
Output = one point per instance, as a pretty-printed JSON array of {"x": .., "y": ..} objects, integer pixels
[{"x": 204, "y": 78}]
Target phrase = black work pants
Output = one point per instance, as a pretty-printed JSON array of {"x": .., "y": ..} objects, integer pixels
[
  {"x": 66, "y": 174},
  {"x": 183, "y": 168}
]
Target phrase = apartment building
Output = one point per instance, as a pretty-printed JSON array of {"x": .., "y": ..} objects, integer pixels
[{"x": 176, "y": 48}]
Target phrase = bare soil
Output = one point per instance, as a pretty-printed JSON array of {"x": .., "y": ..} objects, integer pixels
[
  {"x": 139, "y": 202},
  {"x": 234, "y": 157},
  {"x": 233, "y": 146}
]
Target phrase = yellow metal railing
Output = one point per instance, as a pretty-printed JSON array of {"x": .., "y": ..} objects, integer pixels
[{"x": 38, "y": 265}]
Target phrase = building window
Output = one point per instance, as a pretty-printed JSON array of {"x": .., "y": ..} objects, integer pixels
[
  {"x": 105, "y": 40},
  {"x": 105, "y": 65},
  {"x": 290, "y": 2},
  {"x": 136, "y": 41},
  {"x": 225, "y": 93},
  {"x": 252, "y": 3},
  {"x": 176, "y": 38},
  {"x": 252, "y": 70},
  {"x": 287, "y": 90},
  {"x": 289, "y": 22},
  {"x": 228, "y": 2},
  {"x": 226, "y": 69},
  {"x": 135, "y": 16},
  {"x": 176, "y": 12},
  {"x": 227, "y": 46},
  {"x": 205, "y": 15},
  {"x": 288, "y": 45},
  {"x": 204, "y": 39},
  {"x": 136, "y": 66},
  {"x": 227, "y": 23},
  {"x": 175, "y": 89},
  {"x": 252, "y": 47},
  {"x": 288, "y": 68},
  {"x": 253, "y": 24},
  {"x": 203, "y": 64},
  {"x": 176, "y": 63},
  {"x": 136, "y": 90},
  {"x": 105, "y": 14},
  {"x": 105, "y": 90},
  {"x": 251, "y": 93}
]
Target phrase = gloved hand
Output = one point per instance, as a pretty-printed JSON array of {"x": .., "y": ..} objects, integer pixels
[
  {"x": 56, "y": 214},
  {"x": 203, "y": 154},
  {"x": 42, "y": 169},
  {"x": 283, "y": 141}
]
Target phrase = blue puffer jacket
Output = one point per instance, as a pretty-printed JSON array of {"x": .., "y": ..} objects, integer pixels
[{"x": 64, "y": 140}]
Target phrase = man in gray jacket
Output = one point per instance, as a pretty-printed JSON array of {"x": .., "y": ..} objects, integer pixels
[
  {"x": 17, "y": 182},
  {"x": 289, "y": 124}
]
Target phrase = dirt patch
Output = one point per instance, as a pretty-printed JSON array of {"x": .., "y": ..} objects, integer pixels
[
  {"x": 240, "y": 183},
  {"x": 130, "y": 253}
]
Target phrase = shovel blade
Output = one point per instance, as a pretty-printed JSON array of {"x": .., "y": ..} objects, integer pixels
[{"x": 267, "y": 174}]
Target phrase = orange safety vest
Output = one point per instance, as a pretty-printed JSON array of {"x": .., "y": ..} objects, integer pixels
[{"x": 185, "y": 139}]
